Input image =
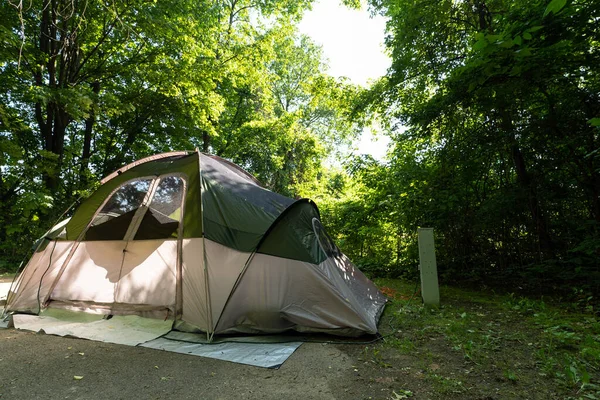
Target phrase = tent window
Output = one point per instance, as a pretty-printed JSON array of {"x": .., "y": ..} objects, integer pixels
[
  {"x": 112, "y": 221},
  {"x": 325, "y": 242},
  {"x": 161, "y": 221}
]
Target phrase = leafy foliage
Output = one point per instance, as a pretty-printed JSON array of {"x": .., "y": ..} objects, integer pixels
[
  {"x": 88, "y": 86},
  {"x": 499, "y": 100}
]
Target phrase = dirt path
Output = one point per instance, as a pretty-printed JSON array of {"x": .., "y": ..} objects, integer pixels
[
  {"x": 44, "y": 366},
  {"x": 475, "y": 346}
]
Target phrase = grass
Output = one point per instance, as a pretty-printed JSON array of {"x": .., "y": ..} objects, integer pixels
[{"x": 486, "y": 345}]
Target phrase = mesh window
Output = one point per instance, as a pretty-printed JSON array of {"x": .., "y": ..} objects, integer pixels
[
  {"x": 325, "y": 242},
  {"x": 112, "y": 221},
  {"x": 161, "y": 221}
]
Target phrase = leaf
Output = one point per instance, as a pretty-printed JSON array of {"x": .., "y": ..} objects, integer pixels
[
  {"x": 480, "y": 44},
  {"x": 589, "y": 155},
  {"x": 524, "y": 52},
  {"x": 527, "y": 36},
  {"x": 534, "y": 29},
  {"x": 518, "y": 40},
  {"x": 585, "y": 377},
  {"x": 594, "y": 122},
  {"x": 555, "y": 6},
  {"x": 78, "y": 377}
]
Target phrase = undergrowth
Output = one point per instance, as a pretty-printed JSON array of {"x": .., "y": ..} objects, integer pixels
[{"x": 511, "y": 343}]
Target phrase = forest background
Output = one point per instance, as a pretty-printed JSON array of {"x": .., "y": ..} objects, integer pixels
[{"x": 492, "y": 108}]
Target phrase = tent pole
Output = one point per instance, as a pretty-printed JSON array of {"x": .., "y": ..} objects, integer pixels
[
  {"x": 132, "y": 230},
  {"x": 20, "y": 270},
  {"x": 179, "y": 266},
  {"x": 74, "y": 248},
  {"x": 209, "y": 321},
  {"x": 260, "y": 242}
]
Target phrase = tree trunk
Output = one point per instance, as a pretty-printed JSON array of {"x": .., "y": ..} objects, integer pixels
[
  {"x": 87, "y": 141},
  {"x": 205, "y": 141},
  {"x": 58, "y": 47},
  {"x": 527, "y": 184}
]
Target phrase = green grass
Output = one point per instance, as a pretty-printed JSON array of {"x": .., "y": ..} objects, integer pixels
[{"x": 511, "y": 343}]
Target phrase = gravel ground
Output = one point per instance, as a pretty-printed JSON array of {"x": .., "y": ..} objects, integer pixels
[
  {"x": 38, "y": 366},
  {"x": 43, "y": 366}
]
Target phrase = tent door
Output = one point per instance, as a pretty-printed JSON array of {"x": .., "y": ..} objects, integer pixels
[
  {"x": 154, "y": 237},
  {"x": 128, "y": 257}
]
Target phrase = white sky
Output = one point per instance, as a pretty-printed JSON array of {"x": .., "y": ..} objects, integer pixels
[{"x": 352, "y": 42}]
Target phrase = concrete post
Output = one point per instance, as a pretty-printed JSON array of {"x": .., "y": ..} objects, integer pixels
[{"x": 429, "y": 278}]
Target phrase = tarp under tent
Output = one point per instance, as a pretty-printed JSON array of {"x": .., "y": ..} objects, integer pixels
[{"x": 191, "y": 238}]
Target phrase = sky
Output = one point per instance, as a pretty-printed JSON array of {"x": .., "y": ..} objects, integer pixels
[{"x": 352, "y": 42}]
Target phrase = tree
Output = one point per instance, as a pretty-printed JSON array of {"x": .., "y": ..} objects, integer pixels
[
  {"x": 498, "y": 97},
  {"x": 90, "y": 85},
  {"x": 284, "y": 120}
]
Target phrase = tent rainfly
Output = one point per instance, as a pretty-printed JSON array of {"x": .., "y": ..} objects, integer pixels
[{"x": 194, "y": 238}]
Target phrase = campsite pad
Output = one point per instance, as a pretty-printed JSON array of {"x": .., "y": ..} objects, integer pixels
[
  {"x": 267, "y": 355},
  {"x": 268, "y": 351},
  {"x": 129, "y": 330}
]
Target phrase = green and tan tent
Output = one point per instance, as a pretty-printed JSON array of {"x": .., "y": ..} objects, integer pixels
[{"x": 194, "y": 238}]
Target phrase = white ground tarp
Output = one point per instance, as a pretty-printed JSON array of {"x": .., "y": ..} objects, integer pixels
[
  {"x": 132, "y": 330},
  {"x": 4, "y": 286},
  {"x": 267, "y": 355},
  {"x": 129, "y": 330}
]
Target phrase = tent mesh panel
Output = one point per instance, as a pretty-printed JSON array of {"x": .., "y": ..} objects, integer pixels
[{"x": 112, "y": 221}]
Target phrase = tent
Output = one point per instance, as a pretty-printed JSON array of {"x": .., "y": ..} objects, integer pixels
[{"x": 195, "y": 239}]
